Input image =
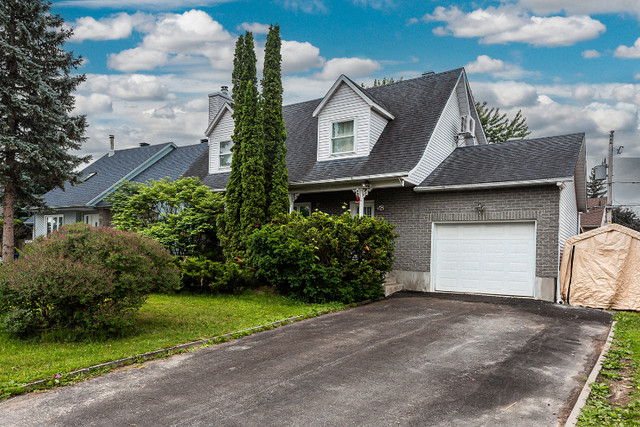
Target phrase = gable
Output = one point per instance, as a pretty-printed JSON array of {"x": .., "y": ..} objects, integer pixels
[{"x": 222, "y": 130}]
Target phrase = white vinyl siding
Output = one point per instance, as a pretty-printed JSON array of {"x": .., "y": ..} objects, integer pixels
[
  {"x": 344, "y": 105},
  {"x": 222, "y": 132},
  {"x": 378, "y": 124},
  {"x": 442, "y": 142},
  {"x": 568, "y": 221}
]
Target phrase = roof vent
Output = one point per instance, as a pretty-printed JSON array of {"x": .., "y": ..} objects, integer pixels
[
  {"x": 204, "y": 140},
  {"x": 112, "y": 145},
  {"x": 144, "y": 144},
  {"x": 428, "y": 73}
]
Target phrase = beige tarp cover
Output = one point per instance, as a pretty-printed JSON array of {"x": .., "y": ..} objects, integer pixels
[{"x": 601, "y": 268}]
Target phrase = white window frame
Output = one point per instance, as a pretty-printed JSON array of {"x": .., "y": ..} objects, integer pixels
[
  {"x": 331, "y": 137},
  {"x": 220, "y": 154},
  {"x": 59, "y": 217},
  {"x": 297, "y": 207},
  {"x": 354, "y": 208},
  {"x": 88, "y": 219}
]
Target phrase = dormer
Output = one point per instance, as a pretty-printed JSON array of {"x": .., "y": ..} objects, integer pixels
[
  {"x": 219, "y": 131},
  {"x": 350, "y": 121}
]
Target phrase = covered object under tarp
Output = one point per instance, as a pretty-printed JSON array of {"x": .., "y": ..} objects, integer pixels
[{"x": 601, "y": 268}]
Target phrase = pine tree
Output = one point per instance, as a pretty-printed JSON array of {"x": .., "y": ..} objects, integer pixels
[
  {"x": 498, "y": 128},
  {"x": 229, "y": 223},
  {"x": 595, "y": 187},
  {"x": 36, "y": 96},
  {"x": 275, "y": 134},
  {"x": 252, "y": 213}
]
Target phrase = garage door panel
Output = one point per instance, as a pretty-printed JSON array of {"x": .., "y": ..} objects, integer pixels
[{"x": 493, "y": 258}]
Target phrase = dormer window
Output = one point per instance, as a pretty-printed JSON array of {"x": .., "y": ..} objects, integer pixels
[
  {"x": 225, "y": 154},
  {"x": 343, "y": 137}
]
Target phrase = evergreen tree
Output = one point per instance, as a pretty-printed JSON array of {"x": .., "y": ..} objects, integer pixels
[
  {"x": 625, "y": 217},
  {"x": 498, "y": 128},
  {"x": 36, "y": 97},
  {"x": 252, "y": 212},
  {"x": 595, "y": 187},
  {"x": 275, "y": 135},
  {"x": 229, "y": 223}
]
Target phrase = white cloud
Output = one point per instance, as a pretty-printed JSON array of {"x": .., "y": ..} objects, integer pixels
[
  {"x": 505, "y": 24},
  {"x": 637, "y": 76},
  {"x": 137, "y": 59},
  {"x": 138, "y": 4},
  {"x": 192, "y": 33},
  {"x": 375, "y": 4},
  {"x": 306, "y": 6},
  {"x": 584, "y": 92},
  {"x": 590, "y": 54},
  {"x": 300, "y": 57},
  {"x": 628, "y": 51},
  {"x": 94, "y": 103},
  {"x": 606, "y": 117},
  {"x": 133, "y": 87},
  {"x": 506, "y": 93},
  {"x": 588, "y": 7},
  {"x": 254, "y": 27},
  {"x": 352, "y": 67},
  {"x": 484, "y": 64},
  {"x": 114, "y": 27}
]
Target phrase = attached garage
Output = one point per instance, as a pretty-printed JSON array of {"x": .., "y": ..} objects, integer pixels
[{"x": 496, "y": 258}]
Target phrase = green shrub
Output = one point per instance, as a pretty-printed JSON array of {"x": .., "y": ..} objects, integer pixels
[
  {"x": 202, "y": 274},
  {"x": 323, "y": 258},
  {"x": 82, "y": 280}
]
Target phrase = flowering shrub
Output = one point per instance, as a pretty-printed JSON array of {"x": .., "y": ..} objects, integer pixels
[
  {"x": 324, "y": 258},
  {"x": 82, "y": 279}
]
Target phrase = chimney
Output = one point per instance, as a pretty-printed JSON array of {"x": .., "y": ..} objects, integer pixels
[
  {"x": 144, "y": 144},
  {"x": 112, "y": 145},
  {"x": 217, "y": 100}
]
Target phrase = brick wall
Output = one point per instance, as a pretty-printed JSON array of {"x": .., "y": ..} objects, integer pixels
[{"x": 413, "y": 214}]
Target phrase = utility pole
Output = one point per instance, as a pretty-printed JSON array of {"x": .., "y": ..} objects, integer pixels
[{"x": 610, "y": 179}]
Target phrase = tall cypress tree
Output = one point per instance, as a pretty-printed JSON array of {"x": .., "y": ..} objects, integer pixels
[
  {"x": 229, "y": 223},
  {"x": 275, "y": 135},
  {"x": 37, "y": 134},
  {"x": 252, "y": 212}
]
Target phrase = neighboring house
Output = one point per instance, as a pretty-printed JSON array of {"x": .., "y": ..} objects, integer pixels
[
  {"x": 470, "y": 217},
  {"x": 85, "y": 202},
  {"x": 596, "y": 215}
]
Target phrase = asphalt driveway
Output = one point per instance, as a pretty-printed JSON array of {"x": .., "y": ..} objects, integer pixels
[{"x": 411, "y": 359}]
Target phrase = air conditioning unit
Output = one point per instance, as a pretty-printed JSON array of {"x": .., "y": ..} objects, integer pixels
[{"x": 467, "y": 125}]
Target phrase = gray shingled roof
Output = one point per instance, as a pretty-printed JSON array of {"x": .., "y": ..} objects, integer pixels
[
  {"x": 110, "y": 170},
  {"x": 555, "y": 157},
  {"x": 416, "y": 104}
]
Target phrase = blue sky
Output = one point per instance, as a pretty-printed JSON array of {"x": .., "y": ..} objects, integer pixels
[{"x": 571, "y": 66}]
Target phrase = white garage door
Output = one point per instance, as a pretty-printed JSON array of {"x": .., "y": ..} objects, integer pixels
[{"x": 491, "y": 258}]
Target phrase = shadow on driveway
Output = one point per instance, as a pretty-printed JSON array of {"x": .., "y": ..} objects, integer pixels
[{"x": 411, "y": 359}]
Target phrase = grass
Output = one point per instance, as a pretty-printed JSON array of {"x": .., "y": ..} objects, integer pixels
[
  {"x": 615, "y": 395},
  {"x": 164, "y": 321}
]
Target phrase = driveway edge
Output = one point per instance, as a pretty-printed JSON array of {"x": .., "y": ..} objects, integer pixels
[
  {"x": 586, "y": 389},
  {"x": 46, "y": 382}
]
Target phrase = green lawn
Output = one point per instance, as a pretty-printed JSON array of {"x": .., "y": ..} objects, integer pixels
[
  {"x": 164, "y": 321},
  {"x": 614, "y": 398}
]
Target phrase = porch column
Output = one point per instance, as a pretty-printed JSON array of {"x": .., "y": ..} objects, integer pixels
[
  {"x": 292, "y": 199},
  {"x": 361, "y": 193}
]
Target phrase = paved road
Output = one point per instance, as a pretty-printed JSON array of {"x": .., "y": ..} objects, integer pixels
[{"x": 411, "y": 359}]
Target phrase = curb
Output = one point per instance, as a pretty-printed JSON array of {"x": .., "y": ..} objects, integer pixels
[
  {"x": 181, "y": 347},
  {"x": 586, "y": 389}
]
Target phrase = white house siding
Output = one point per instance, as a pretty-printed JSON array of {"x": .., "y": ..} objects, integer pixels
[
  {"x": 344, "y": 105},
  {"x": 222, "y": 132},
  {"x": 568, "y": 218},
  {"x": 442, "y": 142},
  {"x": 39, "y": 226},
  {"x": 378, "y": 124}
]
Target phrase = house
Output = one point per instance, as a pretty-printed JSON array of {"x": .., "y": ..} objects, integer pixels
[
  {"x": 86, "y": 202},
  {"x": 470, "y": 217},
  {"x": 595, "y": 216}
]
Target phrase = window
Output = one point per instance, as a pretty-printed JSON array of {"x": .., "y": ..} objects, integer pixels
[
  {"x": 368, "y": 208},
  {"x": 303, "y": 209},
  {"x": 54, "y": 222},
  {"x": 342, "y": 137},
  {"x": 92, "y": 219},
  {"x": 225, "y": 154}
]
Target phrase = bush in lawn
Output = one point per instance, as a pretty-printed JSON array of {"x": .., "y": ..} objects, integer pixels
[
  {"x": 83, "y": 279},
  {"x": 202, "y": 274},
  {"x": 324, "y": 258}
]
